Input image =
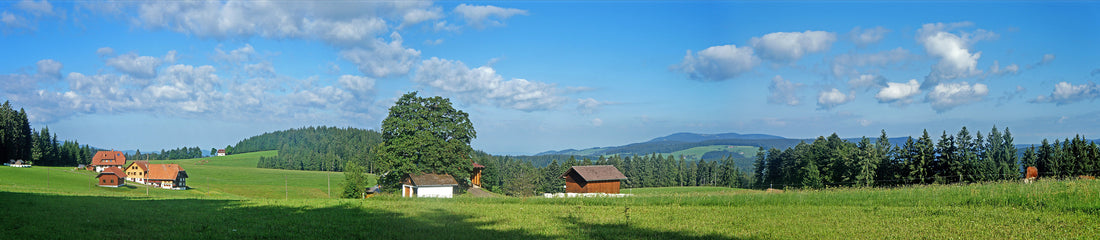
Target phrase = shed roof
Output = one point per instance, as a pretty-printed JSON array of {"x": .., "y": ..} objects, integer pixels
[
  {"x": 165, "y": 172},
  {"x": 112, "y": 170},
  {"x": 596, "y": 173},
  {"x": 431, "y": 179},
  {"x": 478, "y": 165}
]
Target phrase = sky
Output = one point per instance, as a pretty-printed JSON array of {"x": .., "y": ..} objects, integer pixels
[{"x": 546, "y": 75}]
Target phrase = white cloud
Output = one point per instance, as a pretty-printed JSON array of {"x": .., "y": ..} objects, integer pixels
[
  {"x": 383, "y": 59},
  {"x": 864, "y": 37},
  {"x": 718, "y": 63},
  {"x": 832, "y": 98},
  {"x": 1066, "y": 93},
  {"x": 1011, "y": 95},
  {"x": 39, "y": 8},
  {"x": 951, "y": 49},
  {"x": 135, "y": 65},
  {"x": 482, "y": 85},
  {"x": 867, "y": 81},
  {"x": 105, "y": 51},
  {"x": 49, "y": 68},
  {"x": 1047, "y": 58},
  {"x": 946, "y": 96},
  {"x": 590, "y": 105},
  {"x": 791, "y": 46},
  {"x": 849, "y": 64},
  {"x": 898, "y": 93},
  {"x": 597, "y": 122},
  {"x": 783, "y": 91},
  {"x": 415, "y": 16},
  {"x": 1010, "y": 69},
  {"x": 864, "y": 122},
  {"x": 242, "y": 54},
  {"x": 483, "y": 16}
]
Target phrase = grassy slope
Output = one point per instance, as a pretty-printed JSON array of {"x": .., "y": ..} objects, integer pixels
[
  {"x": 1048, "y": 209},
  {"x": 697, "y": 152},
  {"x": 228, "y": 177}
]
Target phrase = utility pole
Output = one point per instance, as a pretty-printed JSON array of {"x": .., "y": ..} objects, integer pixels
[
  {"x": 286, "y": 185},
  {"x": 328, "y": 177}
]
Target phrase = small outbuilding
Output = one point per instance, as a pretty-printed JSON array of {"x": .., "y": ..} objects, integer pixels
[
  {"x": 593, "y": 179},
  {"x": 111, "y": 177},
  {"x": 475, "y": 177},
  {"x": 221, "y": 152},
  {"x": 428, "y": 185}
]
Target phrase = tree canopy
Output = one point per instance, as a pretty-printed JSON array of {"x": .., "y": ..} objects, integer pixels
[{"x": 425, "y": 135}]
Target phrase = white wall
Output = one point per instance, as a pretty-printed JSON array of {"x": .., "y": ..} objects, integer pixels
[{"x": 441, "y": 192}]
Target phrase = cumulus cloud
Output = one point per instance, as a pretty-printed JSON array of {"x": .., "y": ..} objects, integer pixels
[
  {"x": 1010, "y": 69},
  {"x": 135, "y": 65},
  {"x": 105, "y": 51},
  {"x": 49, "y": 68},
  {"x": 590, "y": 105},
  {"x": 25, "y": 14},
  {"x": 952, "y": 50},
  {"x": 783, "y": 91},
  {"x": 899, "y": 93},
  {"x": 849, "y": 64},
  {"x": 718, "y": 63},
  {"x": 482, "y": 85},
  {"x": 37, "y": 8},
  {"x": 946, "y": 96},
  {"x": 864, "y": 37},
  {"x": 242, "y": 54},
  {"x": 382, "y": 58},
  {"x": 483, "y": 16},
  {"x": 867, "y": 81},
  {"x": 832, "y": 98},
  {"x": 791, "y": 46},
  {"x": 1066, "y": 93}
]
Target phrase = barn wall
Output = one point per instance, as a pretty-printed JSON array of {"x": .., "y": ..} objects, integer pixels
[
  {"x": 591, "y": 187},
  {"x": 441, "y": 192}
]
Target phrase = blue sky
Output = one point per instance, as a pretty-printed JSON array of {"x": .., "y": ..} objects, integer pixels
[{"x": 539, "y": 76}]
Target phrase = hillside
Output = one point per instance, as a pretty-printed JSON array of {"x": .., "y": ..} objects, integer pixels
[
  {"x": 696, "y": 137},
  {"x": 311, "y": 148}
]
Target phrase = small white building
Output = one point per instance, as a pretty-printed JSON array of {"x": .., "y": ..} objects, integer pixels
[
  {"x": 428, "y": 185},
  {"x": 221, "y": 152}
]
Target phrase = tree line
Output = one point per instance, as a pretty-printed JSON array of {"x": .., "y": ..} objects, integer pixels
[
  {"x": 314, "y": 148},
  {"x": 953, "y": 158},
  {"x": 517, "y": 177},
  {"x": 18, "y": 141},
  {"x": 173, "y": 154}
]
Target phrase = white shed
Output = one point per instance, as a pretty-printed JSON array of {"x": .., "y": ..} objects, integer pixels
[{"x": 428, "y": 185}]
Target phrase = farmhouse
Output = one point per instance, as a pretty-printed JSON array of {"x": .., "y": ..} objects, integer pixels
[
  {"x": 221, "y": 152},
  {"x": 428, "y": 185},
  {"x": 20, "y": 164},
  {"x": 592, "y": 179},
  {"x": 111, "y": 177},
  {"x": 136, "y": 171},
  {"x": 105, "y": 159},
  {"x": 167, "y": 176}
]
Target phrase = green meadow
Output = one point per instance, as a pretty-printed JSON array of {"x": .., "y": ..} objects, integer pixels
[{"x": 231, "y": 199}]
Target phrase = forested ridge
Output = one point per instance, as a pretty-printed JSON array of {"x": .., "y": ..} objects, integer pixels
[
  {"x": 18, "y": 141},
  {"x": 312, "y": 148}
]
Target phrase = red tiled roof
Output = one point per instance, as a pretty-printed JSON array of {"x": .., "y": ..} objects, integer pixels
[
  {"x": 112, "y": 170},
  {"x": 165, "y": 172},
  {"x": 221, "y": 150},
  {"x": 431, "y": 179},
  {"x": 478, "y": 165},
  {"x": 596, "y": 173},
  {"x": 108, "y": 158},
  {"x": 143, "y": 164}
]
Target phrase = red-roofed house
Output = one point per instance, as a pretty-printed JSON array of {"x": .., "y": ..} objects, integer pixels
[
  {"x": 111, "y": 177},
  {"x": 105, "y": 159},
  {"x": 167, "y": 176},
  {"x": 592, "y": 179},
  {"x": 221, "y": 152}
]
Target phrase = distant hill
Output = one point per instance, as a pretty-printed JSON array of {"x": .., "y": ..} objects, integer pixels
[{"x": 696, "y": 137}]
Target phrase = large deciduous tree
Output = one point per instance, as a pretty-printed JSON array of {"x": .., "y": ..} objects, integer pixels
[{"x": 425, "y": 135}]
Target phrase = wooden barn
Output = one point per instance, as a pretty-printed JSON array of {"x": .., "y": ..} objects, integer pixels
[
  {"x": 428, "y": 185},
  {"x": 475, "y": 177},
  {"x": 111, "y": 177},
  {"x": 593, "y": 179},
  {"x": 106, "y": 159}
]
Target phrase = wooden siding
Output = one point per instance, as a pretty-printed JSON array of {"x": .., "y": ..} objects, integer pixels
[
  {"x": 110, "y": 180},
  {"x": 580, "y": 186}
]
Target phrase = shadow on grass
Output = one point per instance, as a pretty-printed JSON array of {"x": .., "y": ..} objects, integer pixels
[
  {"x": 626, "y": 231},
  {"x": 32, "y": 215}
]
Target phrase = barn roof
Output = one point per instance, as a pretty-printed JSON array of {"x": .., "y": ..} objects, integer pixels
[
  {"x": 596, "y": 173},
  {"x": 165, "y": 172},
  {"x": 112, "y": 170},
  {"x": 431, "y": 179},
  {"x": 108, "y": 158},
  {"x": 143, "y": 164},
  {"x": 478, "y": 165}
]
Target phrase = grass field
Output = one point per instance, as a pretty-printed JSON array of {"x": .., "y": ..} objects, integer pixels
[
  {"x": 1005, "y": 210},
  {"x": 697, "y": 152}
]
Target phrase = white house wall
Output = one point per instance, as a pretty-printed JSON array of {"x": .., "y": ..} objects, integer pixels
[{"x": 440, "y": 192}]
